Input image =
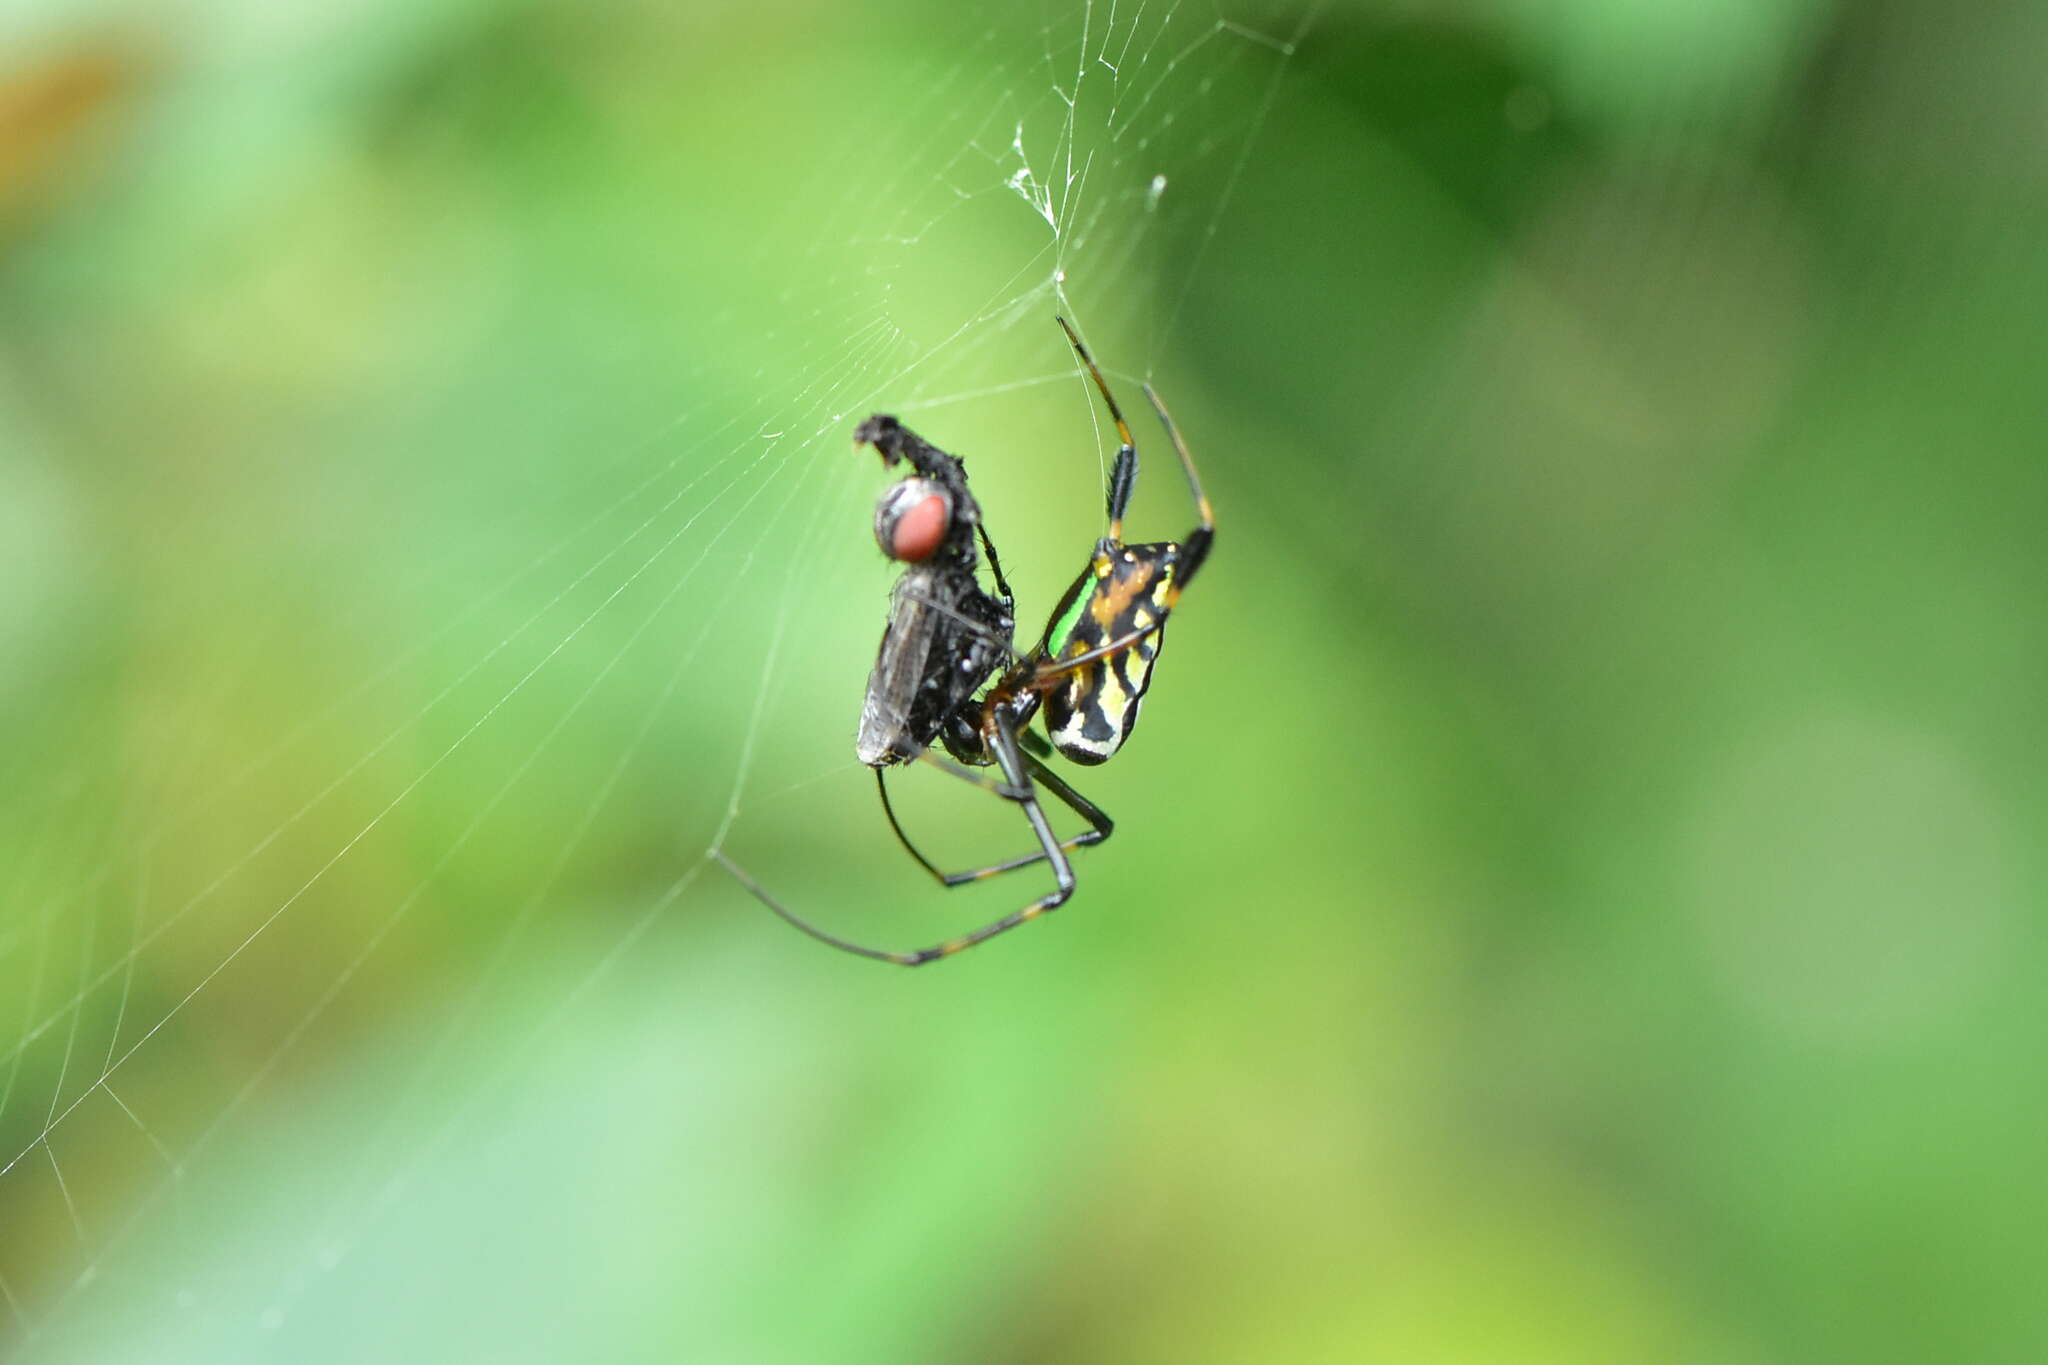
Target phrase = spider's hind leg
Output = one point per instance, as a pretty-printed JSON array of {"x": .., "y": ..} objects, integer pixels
[
  {"x": 1016, "y": 766},
  {"x": 1100, "y": 825}
]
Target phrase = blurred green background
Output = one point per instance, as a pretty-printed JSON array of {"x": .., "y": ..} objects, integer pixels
[{"x": 1576, "y": 892}]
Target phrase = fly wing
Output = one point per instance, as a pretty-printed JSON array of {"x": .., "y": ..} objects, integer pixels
[
  {"x": 946, "y": 637},
  {"x": 887, "y": 715}
]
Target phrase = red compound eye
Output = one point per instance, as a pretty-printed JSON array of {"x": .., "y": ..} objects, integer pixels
[
  {"x": 911, "y": 522},
  {"x": 919, "y": 530}
]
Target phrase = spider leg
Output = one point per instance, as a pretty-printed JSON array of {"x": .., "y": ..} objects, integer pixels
[
  {"x": 972, "y": 625},
  {"x": 964, "y": 773},
  {"x": 1123, "y": 474},
  {"x": 995, "y": 566},
  {"x": 1002, "y": 736},
  {"x": 1195, "y": 548},
  {"x": 1049, "y": 669},
  {"x": 760, "y": 893},
  {"x": 1101, "y": 826},
  {"x": 1002, "y": 739}
]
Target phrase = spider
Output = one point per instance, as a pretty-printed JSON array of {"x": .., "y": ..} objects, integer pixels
[{"x": 947, "y": 638}]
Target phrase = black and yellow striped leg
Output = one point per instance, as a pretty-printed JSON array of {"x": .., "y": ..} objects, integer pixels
[
  {"x": 760, "y": 893},
  {"x": 1100, "y": 825},
  {"x": 1188, "y": 560},
  {"x": 1016, "y": 767},
  {"x": 1002, "y": 741},
  {"x": 1123, "y": 473},
  {"x": 1195, "y": 548}
]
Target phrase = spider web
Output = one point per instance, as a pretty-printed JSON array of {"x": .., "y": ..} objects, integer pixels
[{"x": 504, "y": 675}]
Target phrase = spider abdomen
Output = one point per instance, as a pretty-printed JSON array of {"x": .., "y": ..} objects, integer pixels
[{"x": 1125, "y": 592}]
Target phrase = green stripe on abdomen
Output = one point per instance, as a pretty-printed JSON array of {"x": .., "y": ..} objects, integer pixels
[{"x": 1063, "y": 625}]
